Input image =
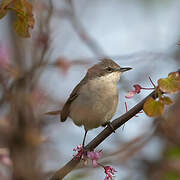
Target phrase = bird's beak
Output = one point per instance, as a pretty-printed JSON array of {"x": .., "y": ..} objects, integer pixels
[{"x": 125, "y": 69}]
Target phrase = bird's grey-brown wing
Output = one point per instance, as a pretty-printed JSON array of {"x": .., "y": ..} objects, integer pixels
[{"x": 66, "y": 108}]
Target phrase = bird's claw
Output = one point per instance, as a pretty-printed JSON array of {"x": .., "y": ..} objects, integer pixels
[{"x": 110, "y": 126}]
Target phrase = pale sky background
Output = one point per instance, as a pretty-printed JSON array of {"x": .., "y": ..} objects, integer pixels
[{"x": 142, "y": 34}]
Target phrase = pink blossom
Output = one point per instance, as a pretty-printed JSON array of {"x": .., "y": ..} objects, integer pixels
[
  {"x": 6, "y": 160},
  {"x": 109, "y": 172},
  {"x": 84, "y": 155},
  {"x": 80, "y": 151},
  {"x": 94, "y": 156},
  {"x": 130, "y": 94},
  {"x": 81, "y": 154},
  {"x": 4, "y": 157},
  {"x": 64, "y": 64},
  {"x": 78, "y": 148},
  {"x": 137, "y": 90}
]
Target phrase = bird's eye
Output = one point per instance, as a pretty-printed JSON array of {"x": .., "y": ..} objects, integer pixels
[{"x": 109, "y": 69}]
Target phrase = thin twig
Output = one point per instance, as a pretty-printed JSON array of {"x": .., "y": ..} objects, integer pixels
[
  {"x": 152, "y": 82},
  {"x": 81, "y": 31}
]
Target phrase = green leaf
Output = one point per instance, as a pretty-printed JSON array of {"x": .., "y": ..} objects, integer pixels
[
  {"x": 170, "y": 84},
  {"x": 171, "y": 175},
  {"x": 23, "y": 10},
  {"x": 21, "y": 27},
  {"x": 174, "y": 153},
  {"x": 166, "y": 100},
  {"x": 153, "y": 107}
]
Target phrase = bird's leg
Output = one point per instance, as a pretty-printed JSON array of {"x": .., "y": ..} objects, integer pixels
[
  {"x": 109, "y": 125},
  {"x": 84, "y": 138}
]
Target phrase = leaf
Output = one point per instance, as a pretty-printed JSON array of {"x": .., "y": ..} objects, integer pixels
[
  {"x": 166, "y": 100},
  {"x": 23, "y": 10},
  {"x": 172, "y": 175},
  {"x": 21, "y": 27},
  {"x": 174, "y": 152},
  {"x": 2, "y": 13},
  {"x": 170, "y": 84},
  {"x": 3, "y": 7},
  {"x": 153, "y": 108}
]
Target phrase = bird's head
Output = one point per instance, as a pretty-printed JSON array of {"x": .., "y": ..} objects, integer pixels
[{"x": 107, "y": 69}]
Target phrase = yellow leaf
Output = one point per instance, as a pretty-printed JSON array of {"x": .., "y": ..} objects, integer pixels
[
  {"x": 23, "y": 10},
  {"x": 170, "y": 84},
  {"x": 153, "y": 107},
  {"x": 2, "y": 13},
  {"x": 3, "y": 9},
  {"x": 166, "y": 100},
  {"x": 21, "y": 27}
]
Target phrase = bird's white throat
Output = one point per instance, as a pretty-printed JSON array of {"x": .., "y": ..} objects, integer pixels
[{"x": 113, "y": 77}]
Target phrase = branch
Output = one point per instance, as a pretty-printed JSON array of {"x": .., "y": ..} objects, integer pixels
[
  {"x": 81, "y": 31},
  {"x": 61, "y": 173}
]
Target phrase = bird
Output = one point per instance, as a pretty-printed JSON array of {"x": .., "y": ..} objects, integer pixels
[{"x": 93, "y": 102}]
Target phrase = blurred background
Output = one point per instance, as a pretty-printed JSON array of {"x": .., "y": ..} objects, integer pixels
[{"x": 37, "y": 75}]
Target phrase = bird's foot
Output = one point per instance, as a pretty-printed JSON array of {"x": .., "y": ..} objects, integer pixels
[{"x": 109, "y": 125}]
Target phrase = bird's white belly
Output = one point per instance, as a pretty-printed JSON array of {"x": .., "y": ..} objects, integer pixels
[{"x": 92, "y": 108}]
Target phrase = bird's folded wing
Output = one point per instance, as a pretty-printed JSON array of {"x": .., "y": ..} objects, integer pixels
[{"x": 66, "y": 109}]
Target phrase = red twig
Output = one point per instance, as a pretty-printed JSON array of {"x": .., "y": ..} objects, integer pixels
[
  {"x": 147, "y": 88},
  {"x": 126, "y": 106},
  {"x": 152, "y": 82}
]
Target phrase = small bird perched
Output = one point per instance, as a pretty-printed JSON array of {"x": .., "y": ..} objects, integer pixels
[{"x": 93, "y": 102}]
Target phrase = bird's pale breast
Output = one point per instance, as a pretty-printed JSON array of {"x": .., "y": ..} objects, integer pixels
[{"x": 96, "y": 103}]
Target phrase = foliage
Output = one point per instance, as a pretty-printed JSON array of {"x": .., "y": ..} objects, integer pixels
[
  {"x": 171, "y": 84},
  {"x": 171, "y": 175},
  {"x": 153, "y": 107},
  {"x": 173, "y": 152},
  {"x": 23, "y": 10}
]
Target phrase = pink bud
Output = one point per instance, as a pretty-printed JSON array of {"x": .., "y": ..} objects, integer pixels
[
  {"x": 137, "y": 88},
  {"x": 109, "y": 172},
  {"x": 64, "y": 64},
  {"x": 130, "y": 94},
  {"x": 95, "y": 163},
  {"x": 136, "y": 91},
  {"x": 6, "y": 160},
  {"x": 78, "y": 148},
  {"x": 109, "y": 169},
  {"x": 106, "y": 178},
  {"x": 94, "y": 156},
  {"x": 80, "y": 151}
]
